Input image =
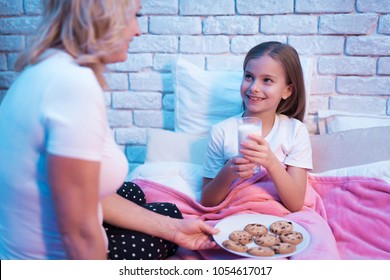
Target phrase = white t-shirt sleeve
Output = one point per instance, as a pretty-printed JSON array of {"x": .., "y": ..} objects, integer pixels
[
  {"x": 300, "y": 154},
  {"x": 75, "y": 116},
  {"x": 214, "y": 159}
]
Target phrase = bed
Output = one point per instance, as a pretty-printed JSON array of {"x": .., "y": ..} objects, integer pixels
[{"x": 350, "y": 181}]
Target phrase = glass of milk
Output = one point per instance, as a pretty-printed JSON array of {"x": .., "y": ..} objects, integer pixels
[{"x": 246, "y": 126}]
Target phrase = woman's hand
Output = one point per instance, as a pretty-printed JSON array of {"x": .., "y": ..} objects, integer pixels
[
  {"x": 189, "y": 233},
  {"x": 193, "y": 234}
]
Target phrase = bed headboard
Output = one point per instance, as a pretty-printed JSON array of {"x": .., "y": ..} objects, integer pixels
[{"x": 350, "y": 148}]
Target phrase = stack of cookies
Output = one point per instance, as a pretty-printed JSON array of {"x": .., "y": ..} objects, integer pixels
[{"x": 279, "y": 239}]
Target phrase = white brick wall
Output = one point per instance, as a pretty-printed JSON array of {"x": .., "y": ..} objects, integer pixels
[{"x": 348, "y": 40}]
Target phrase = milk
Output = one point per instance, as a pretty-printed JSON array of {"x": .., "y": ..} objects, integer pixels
[
  {"x": 244, "y": 130},
  {"x": 246, "y": 126}
]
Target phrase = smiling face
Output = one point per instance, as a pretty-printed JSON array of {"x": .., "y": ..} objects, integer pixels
[{"x": 263, "y": 86}]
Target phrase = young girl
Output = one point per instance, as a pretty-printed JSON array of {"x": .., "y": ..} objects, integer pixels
[{"x": 272, "y": 90}]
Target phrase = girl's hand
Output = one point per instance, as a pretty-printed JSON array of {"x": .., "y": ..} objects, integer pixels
[
  {"x": 258, "y": 151},
  {"x": 240, "y": 167}
]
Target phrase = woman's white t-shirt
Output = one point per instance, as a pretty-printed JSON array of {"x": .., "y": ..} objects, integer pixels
[
  {"x": 288, "y": 139},
  {"x": 54, "y": 107}
]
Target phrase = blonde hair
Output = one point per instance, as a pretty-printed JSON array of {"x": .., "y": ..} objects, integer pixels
[
  {"x": 287, "y": 56},
  {"x": 86, "y": 29}
]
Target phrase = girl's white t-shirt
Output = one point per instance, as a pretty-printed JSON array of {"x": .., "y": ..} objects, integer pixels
[
  {"x": 288, "y": 139},
  {"x": 54, "y": 107}
]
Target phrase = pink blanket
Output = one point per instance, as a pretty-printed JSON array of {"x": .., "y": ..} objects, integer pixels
[
  {"x": 346, "y": 217},
  {"x": 358, "y": 212}
]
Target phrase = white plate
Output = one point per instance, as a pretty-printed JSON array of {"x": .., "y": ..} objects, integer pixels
[{"x": 238, "y": 222}]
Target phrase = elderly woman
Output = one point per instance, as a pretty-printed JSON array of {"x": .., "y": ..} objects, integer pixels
[{"x": 60, "y": 166}]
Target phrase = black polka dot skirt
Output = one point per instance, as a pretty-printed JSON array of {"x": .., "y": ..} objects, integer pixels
[{"x": 124, "y": 244}]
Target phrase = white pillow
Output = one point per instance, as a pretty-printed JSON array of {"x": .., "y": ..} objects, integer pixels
[
  {"x": 204, "y": 98},
  {"x": 168, "y": 146},
  {"x": 307, "y": 68},
  {"x": 380, "y": 169},
  {"x": 184, "y": 177},
  {"x": 331, "y": 121}
]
